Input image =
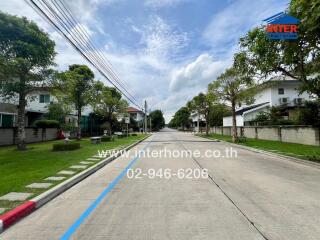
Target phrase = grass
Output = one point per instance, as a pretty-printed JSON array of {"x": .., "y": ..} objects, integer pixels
[
  {"x": 307, "y": 152},
  {"x": 21, "y": 168}
]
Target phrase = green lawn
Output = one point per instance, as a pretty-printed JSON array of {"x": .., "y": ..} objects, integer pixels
[
  {"x": 307, "y": 152},
  {"x": 19, "y": 169}
]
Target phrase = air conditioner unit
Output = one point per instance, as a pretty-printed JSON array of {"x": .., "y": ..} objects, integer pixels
[
  {"x": 284, "y": 100},
  {"x": 298, "y": 101}
]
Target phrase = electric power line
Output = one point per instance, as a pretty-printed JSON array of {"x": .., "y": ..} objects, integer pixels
[{"x": 78, "y": 41}]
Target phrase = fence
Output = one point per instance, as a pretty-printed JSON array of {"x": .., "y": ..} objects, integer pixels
[
  {"x": 8, "y": 136},
  {"x": 294, "y": 134}
]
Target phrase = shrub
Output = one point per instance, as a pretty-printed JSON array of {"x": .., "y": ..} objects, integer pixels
[
  {"x": 66, "y": 146},
  {"x": 46, "y": 124},
  {"x": 107, "y": 138},
  {"x": 134, "y": 134},
  {"x": 241, "y": 139}
]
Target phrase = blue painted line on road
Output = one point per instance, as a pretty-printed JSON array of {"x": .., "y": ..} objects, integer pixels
[{"x": 97, "y": 201}]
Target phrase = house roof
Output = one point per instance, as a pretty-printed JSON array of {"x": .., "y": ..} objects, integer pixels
[
  {"x": 282, "y": 18},
  {"x": 133, "y": 110},
  {"x": 245, "y": 109}
]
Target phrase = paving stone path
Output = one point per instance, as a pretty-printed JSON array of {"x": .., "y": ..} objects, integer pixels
[
  {"x": 78, "y": 167},
  {"x": 55, "y": 178},
  {"x": 16, "y": 196},
  {"x": 39, "y": 185},
  {"x": 64, "y": 172},
  {"x": 85, "y": 163}
]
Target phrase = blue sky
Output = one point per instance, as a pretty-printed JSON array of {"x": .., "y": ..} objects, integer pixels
[{"x": 166, "y": 51}]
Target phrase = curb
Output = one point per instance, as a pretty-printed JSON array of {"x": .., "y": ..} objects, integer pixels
[
  {"x": 272, "y": 154},
  {"x": 10, "y": 218}
]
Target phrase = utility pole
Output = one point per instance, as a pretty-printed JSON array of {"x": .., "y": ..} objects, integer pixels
[
  {"x": 145, "y": 117},
  {"x": 150, "y": 124}
]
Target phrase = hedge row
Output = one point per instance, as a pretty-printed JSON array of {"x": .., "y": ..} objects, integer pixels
[
  {"x": 46, "y": 124},
  {"x": 66, "y": 146}
]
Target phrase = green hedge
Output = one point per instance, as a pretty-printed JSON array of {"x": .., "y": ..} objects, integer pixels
[
  {"x": 46, "y": 124},
  {"x": 134, "y": 134},
  {"x": 66, "y": 146},
  {"x": 107, "y": 138}
]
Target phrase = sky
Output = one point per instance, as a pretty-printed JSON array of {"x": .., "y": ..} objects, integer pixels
[{"x": 167, "y": 51}]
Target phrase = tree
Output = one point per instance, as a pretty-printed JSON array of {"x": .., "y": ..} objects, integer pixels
[
  {"x": 58, "y": 112},
  {"x": 181, "y": 118},
  {"x": 78, "y": 80},
  {"x": 299, "y": 59},
  {"x": 201, "y": 105},
  {"x": 233, "y": 88},
  {"x": 26, "y": 53},
  {"x": 217, "y": 112},
  {"x": 107, "y": 102},
  {"x": 157, "y": 120}
]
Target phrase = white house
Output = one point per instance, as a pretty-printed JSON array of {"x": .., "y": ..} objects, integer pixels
[
  {"x": 277, "y": 93},
  {"x": 37, "y": 105},
  {"x": 136, "y": 114},
  {"x": 198, "y": 121}
]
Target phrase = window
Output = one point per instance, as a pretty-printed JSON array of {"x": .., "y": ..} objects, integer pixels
[
  {"x": 44, "y": 98},
  {"x": 280, "y": 91}
]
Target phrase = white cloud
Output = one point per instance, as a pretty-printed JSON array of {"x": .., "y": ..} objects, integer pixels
[
  {"x": 197, "y": 74},
  {"x": 238, "y": 18},
  {"x": 163, "y": 3}
]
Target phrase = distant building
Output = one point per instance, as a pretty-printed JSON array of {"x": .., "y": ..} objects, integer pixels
[
  {"x": 135, "y": 114},
  {"x": 198, "y": 122},
  {"x": 278, "y": 93}
]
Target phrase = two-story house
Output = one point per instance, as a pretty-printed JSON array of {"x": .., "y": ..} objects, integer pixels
[
  {"x": 135, "y": 114},
  {"x": 276, "y": 93},
  {"x": 37, "y": 105}
]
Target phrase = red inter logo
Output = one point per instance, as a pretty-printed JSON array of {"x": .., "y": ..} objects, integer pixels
[{"x": 282, "y": 28}]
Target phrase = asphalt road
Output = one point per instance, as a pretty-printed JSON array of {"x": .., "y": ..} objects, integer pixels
[{"x": 248, "y": 196}]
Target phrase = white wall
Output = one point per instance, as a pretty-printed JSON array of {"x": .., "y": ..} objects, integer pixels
[
  {"x": 33, "y": 102},
  {"x": 227, "y": 121},
  {"x": 252, "y": 115},
  {"x": 290, "y": 91}
]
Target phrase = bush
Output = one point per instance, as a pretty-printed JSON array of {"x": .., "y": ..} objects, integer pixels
[
  {"x": 66, "y": 146},
  {"x": 107, "y": 138},
  {"x": 134, "y": 134},
  {"x": 241, "y": 139},
  {"x": 46, "y": 124}
]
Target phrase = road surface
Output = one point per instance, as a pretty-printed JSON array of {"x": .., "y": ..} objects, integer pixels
[{"x": 248, "y": 196}]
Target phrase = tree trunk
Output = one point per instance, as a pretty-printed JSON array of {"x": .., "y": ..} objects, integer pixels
[
  {"x": 234, "y": 122},
  {"x": 198, "y": 124},
  {"x": 110, "y": 127},
  {"x": 21, "y": 145},
  {"x": 207, "y": 125},
  {"x": 79, "y": 126}
]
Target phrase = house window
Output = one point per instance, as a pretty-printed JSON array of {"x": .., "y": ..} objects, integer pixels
[
  {"x": 44, "y": 98},
  {"x": 281, "y": 91}
]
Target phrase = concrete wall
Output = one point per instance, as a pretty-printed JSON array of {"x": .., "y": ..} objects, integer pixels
[
  {"x": 8, "y": 136},
  {"x": 227, "y": 121},
  {"x": 294, "y": 134}
]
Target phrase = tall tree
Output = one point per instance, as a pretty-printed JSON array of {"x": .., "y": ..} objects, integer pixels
[
  {"x": 157, "y": 120},
  {"x": 26, "y": 53},
  {"x": 232, "y": 88},
  {"x": 201, "y": 105},
  {"x": 107, "y": 102},
  {"x": 78, "y": 81},
  {"x": 298, "y": 59},
  {"x": 217, "y": 112},
  {"x": 181, "y": 118}
]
